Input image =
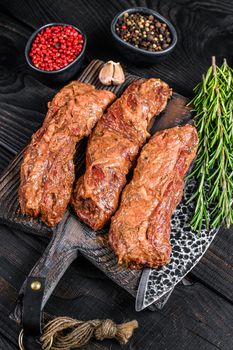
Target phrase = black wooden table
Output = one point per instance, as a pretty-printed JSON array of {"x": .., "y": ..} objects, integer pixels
[{"x": 198, "y": 315}]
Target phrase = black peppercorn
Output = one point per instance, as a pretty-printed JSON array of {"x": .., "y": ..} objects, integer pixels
[
  {"x": 150, "y": 37},
  {"x": 144, "y": 31}
]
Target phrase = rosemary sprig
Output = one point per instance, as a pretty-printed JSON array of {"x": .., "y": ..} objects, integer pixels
[{"x": 213, "y": 168}]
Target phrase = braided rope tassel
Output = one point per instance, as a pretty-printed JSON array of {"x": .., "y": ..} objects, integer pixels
[{"x": 64, "y": 333}]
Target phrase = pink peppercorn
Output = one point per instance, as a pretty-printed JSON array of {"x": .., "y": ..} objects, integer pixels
[{"x": 55, "y": 47}]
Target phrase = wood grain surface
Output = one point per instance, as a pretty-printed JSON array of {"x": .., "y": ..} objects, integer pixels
[{"x": 197, "y": 316}]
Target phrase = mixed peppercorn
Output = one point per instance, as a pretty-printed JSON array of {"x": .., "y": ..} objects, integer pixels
[
  {"x": 144, "y": 31},
  {"x": 55, "y": 47}
]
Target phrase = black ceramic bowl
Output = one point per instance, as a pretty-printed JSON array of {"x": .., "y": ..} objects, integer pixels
[
  {"x": 137, "y": 55},
  {"x": 63, "y": 74}
]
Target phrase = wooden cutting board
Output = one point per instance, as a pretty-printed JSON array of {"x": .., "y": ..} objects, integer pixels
[{"x": 71, "y": 236}]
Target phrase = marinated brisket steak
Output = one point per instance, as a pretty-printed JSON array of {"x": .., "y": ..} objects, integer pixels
[
  {"x": 140, "y": 229},
  {"x": 47, "y": 171},
  {"x": 113, "y": 146}
]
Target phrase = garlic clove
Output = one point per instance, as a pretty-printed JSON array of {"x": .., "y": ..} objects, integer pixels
[
  {"x": 118, "y": 75},
  {"x": 106, "y": 73},
  {"x": 112, "y": 73}
]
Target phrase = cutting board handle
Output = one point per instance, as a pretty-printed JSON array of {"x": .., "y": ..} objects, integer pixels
[{"x": 44, "y": 276}]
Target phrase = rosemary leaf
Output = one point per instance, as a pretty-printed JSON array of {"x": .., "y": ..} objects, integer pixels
[{"x": 213, "y": 168}]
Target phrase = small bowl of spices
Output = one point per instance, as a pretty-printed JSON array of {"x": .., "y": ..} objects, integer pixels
[
  {"x": 143, "y": 36},
  {"x": 56, "y": 51}
]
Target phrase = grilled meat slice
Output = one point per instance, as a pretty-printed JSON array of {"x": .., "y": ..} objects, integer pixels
[
  {"x": 140, "y": 229},
  {"x": 113, "y": 146},
  {"x": 47, "y": 171}
]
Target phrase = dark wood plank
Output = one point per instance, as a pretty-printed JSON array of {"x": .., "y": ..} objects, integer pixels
[
  {"x": 216, "y": 267},
  {"x": 188, "y": 321},
  {"x": 195, "y": 317},
  {"x": 25, "y": 103},
  {"x": 202, "y": 27},
  {"x": 6, "y": 156},
  {"x": 6, "y": 344}
]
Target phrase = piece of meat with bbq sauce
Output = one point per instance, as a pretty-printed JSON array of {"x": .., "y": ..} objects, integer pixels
[
  {"x": 113, "y": 146},
  {"x": 47, "y": 171},
  {"x": 140, "y": 229}
]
